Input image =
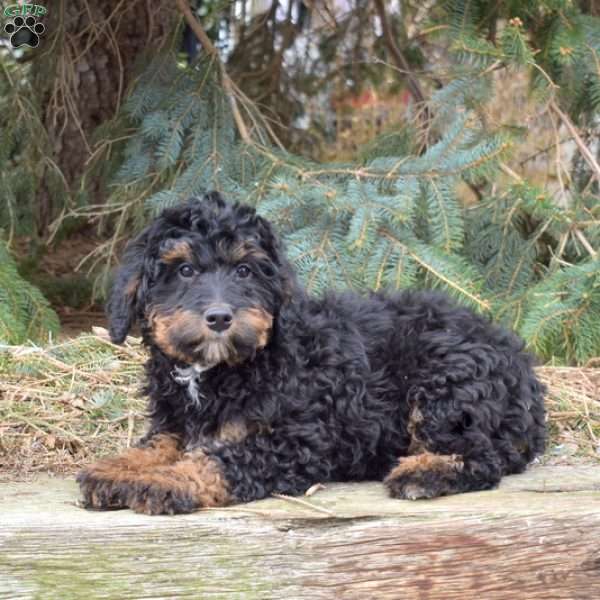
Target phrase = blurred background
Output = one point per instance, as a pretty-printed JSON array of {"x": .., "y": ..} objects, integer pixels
[
  {"x": 475, "y": 124},
  {"x": 450, "y": 144}
]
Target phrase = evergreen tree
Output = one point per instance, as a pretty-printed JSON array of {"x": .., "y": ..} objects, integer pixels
[
  {"x": 24, "y": 312},
  {"x": 394, "y": 219},
  {"x": 393, "y": 216}
]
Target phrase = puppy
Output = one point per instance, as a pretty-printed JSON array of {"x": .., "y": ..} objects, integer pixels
[{"x": 256, "y": 387}]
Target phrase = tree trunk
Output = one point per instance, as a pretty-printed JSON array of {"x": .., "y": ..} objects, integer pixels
[{"x": 86, "y": 64}]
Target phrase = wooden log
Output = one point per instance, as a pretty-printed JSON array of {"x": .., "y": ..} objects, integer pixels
[{"x": 537, "y": 536}]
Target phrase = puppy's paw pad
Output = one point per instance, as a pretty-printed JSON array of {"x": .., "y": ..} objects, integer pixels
[{"x": 412, "y": 491}]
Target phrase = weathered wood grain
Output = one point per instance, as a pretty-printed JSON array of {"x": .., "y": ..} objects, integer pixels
[{"x": 538, "y": 536}]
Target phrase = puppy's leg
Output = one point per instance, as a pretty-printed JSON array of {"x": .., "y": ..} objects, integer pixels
[
  {"x": 475, "y": 415},
  {"x": 106, "y": 484},
  {"x": 428, "y": 475},
  {"x": 195, "y": 481},
  {"x": 218, "y": 474}
]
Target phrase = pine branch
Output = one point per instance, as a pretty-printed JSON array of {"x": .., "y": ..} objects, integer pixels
[
  {"x": 24, "y": 312},
  {"x": 228, "y": 85},
  {"x": 576, "y": 231}
]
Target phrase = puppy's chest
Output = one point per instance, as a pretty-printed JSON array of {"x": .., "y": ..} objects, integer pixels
[
  {"x": 231, "y": 432},
  {"x": 237, "y": 430},
  {"x": 214, "y": 418}
]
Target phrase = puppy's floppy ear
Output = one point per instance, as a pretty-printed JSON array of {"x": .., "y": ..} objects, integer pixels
[
  {"x": 128, "y": 290},
  {"x": 274, "y": 246}
]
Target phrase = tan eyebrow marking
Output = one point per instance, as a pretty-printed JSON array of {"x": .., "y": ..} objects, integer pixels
[
  {"x": 245, "y": 250},
  {"x": 178, "y": 251}
]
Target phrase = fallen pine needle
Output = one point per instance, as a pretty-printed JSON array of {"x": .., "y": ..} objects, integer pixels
[{"x": 304, "y": 503}]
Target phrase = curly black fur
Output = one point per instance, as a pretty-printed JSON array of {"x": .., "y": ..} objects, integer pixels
[{"x": 341, "y": 388}]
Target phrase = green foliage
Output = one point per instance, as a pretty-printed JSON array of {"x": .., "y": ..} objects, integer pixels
[
  {"x": 555, "y": 38},
  {"x": 396, "y": 220},
  {"x": 562, "y": 313},
  {"x": 394, "y": 217},
  {"x": 551, "y": 302},
  {"x": 24, "y": 312},
  {"x": 185, "y": 141},
  {"x": 392, "y": 220},
  {"x": 22, "y": 138}
]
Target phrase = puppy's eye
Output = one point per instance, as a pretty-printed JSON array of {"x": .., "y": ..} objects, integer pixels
[
  {"x": 243, "y": 271},
  {"x": 268, "y": 271},
  {"x": 186, "y": 270}
]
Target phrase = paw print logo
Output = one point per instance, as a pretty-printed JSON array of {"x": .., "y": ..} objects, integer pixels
[{"x": 24, "y": 32}]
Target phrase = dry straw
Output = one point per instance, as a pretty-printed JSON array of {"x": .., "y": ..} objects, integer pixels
[{"x": 65, "y": 404}]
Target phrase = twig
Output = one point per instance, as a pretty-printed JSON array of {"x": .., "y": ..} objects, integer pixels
[
  {"x": 238, "y": 509},
  {"x": 576, "y": 231},
  {"x": 399, "y": 58},
  {"x": 506, "y": 169},
  {"x": 549, "y": 147},
  {"x": 584, "y": 242},
  {"x": 130, "y": 428},
  {"x": 304, "y": 503},
  {"x": 585, "y": 151},
  {"x": 228, "y": 85},
  {"x": 69, "y": 434},
  {"x": 564, "y": 199}
]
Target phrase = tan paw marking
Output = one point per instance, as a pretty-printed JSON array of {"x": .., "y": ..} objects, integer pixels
[{"x": 426, "y": 462}]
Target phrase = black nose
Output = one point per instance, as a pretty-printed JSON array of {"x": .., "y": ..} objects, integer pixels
[{"x": 218, "y": 318}]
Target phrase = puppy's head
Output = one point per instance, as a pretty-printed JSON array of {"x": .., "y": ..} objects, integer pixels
[{"x": 206, "y": 280}]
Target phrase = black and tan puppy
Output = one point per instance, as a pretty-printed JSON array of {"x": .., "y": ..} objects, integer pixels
[{"x": 255, "y": 387}]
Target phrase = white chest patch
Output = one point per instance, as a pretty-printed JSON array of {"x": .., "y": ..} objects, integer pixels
[{"x": 191, "y": 378}]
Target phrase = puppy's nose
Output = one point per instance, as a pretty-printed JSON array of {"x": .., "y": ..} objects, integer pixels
[{"x": 218, "y": 318}]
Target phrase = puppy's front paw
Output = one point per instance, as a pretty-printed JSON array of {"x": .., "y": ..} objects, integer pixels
[
  {"x": 163, "y": 498},
  {"x": 153, "y": 492},
  {"x": 101, "y": 492}
]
